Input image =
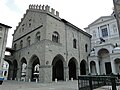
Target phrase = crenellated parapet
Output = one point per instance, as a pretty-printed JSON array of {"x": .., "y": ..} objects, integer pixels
[
  {"x": 44, "y": 8},
  {"x": 41, "y": 8}
]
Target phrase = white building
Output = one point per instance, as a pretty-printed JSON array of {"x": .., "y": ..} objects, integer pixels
[
  {"x": 105, "y": 46},
  {"x": 3, "y": 40}
]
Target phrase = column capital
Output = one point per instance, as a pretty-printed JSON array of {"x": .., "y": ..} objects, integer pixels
[
  {"x": 66, "y": 67},
  {"x": 45, "y": 66}
]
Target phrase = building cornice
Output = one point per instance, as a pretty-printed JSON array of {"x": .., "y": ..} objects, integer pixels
[{"x": 5, "y": 25}]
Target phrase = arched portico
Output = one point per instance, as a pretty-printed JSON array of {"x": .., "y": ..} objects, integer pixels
[
  {"x": 10, "y": 70},
  {"x": 32, "y": 71},
  {"x": 23, "y": 65},
  {"x": 83, "y": 67},
  {"x": 58, "y": 68},
  {"x": 15, "y": 68},
  {"x": 72, "y": 68}
]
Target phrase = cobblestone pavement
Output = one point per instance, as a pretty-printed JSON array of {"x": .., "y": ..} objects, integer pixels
[{"x": 61, "y": 85}]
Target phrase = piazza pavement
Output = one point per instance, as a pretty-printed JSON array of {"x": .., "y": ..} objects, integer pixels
[{"x": 60, "y": 85}]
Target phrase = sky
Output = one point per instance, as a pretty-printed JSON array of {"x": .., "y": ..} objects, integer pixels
[{"x": 78, "y": 12}]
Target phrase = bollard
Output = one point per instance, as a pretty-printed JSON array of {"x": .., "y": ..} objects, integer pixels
[
  {"x": 66, "y": 79},
  {"x": 71, "y": 79},
  {"x": 15, "y": 79},
  {"x": 56, "y": 80},
  {"x": 10, "y": 78},
  {"x": 36, "y": 80},
  {"x": 29, "y": 80},
  {"x": 18, "y": 79},
  {"x": 24, "y": 79}
]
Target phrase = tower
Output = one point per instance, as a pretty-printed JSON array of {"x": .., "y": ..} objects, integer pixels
[{"x": 117, "y": 12}]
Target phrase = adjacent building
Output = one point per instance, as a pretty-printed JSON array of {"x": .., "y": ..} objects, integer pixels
[
  {"x": 46, "y": 47},
  {"x": 105, "y": 46},
  {"x": 3, "y": 40}
]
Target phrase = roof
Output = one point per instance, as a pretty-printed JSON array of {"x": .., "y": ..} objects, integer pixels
[
  {"x": 5, "y": 25},
  {"x": 83, "y": 32},
  {"x": 100, "y": 20}
]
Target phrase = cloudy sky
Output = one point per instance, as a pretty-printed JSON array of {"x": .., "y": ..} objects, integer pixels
[{"x": 79, "y": 12}]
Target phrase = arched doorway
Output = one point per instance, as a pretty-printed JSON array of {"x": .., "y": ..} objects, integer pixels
[
  {"x": 35, "y": 72},
  {"x": 34, "y": 62},
  {"x": 15, "y": 68},
  {"x": 83, "y": 67},
  {"x": 10, "y": 70},
  {"x": 23, "y": 68},
  {"x": 72, "y": 68},
  {"x": 117, "y": 65},
  {"x": 93, "y": 68},
  {"x": 104, "y": 61},
  {"x": 58, "y": 71}
]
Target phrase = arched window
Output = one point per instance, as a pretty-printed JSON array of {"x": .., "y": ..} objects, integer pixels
[
  {"x": 37, "y": 36},
  {"x": 74, "y": 43},
  {"x": 86, "y": 47},
  {"x": 21, "y": 44},
  {"x": 15, "y": 46},
  {"x": 28, "y": 40},
  {"x": 5, "y": 73},
  {"x": 55, "y": 37}
]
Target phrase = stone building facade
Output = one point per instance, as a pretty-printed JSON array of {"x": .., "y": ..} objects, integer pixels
[
  {"x": 116, "y": 4},
  {"x": 105, "y": 46},
  {"x": 3, "y": 40},
  {"x": 49, "y": 47}
]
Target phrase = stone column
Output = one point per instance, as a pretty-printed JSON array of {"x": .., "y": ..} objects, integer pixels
[
  {"x": 108, "y": 30},
  {"x": 28, "y": 73},
  {"x": 19, "y": 73},
  {"x": 113, "y": 66},
  {"x": 45, "y": 73},
  {"x": 66, "y": 73},
  {"x": 77, "y": 72},
  {"x": 89, "y": 67},
  {"x": 97, "y": 67},
  {"x": 10, "y": 72}
]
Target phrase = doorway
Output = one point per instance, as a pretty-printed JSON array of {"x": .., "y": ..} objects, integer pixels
[{"x": 108, "y": 68}]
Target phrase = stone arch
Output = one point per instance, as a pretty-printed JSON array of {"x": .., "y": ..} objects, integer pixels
[
  {"x": 73, "y": 64},
  {"x": 33, "y": 63},
  {"x": 10, "y": 69},
  {"x": 23, "y": 65},
  {"x": 15, "y": 68},
  {"x": 104, "y": 61},
  {"x": 117, "y": 65},
  {"x": 93, "y": 68},
  {"x": 103, "y": 51},
  {"x": 83, "y": 66},
  {"x": 58, "y": 67}
]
